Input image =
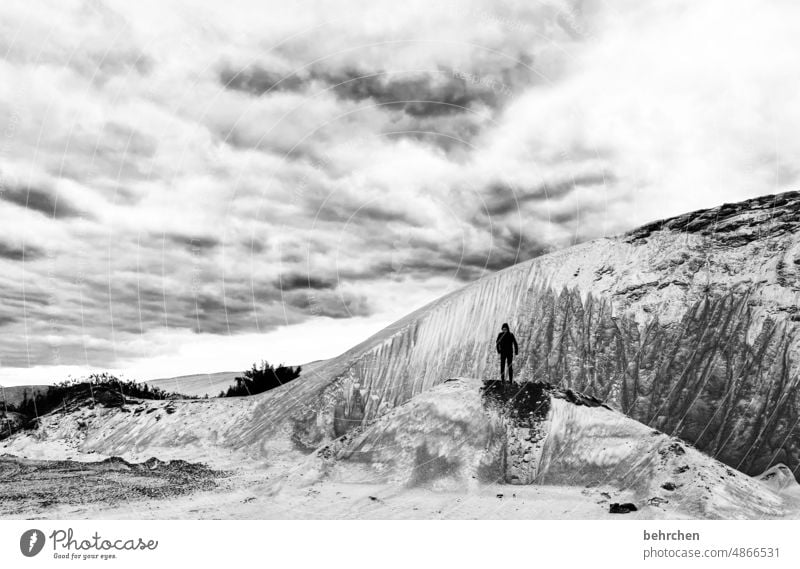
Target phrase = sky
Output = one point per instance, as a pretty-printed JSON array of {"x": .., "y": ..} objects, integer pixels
[{"x": 190, "y": 187}]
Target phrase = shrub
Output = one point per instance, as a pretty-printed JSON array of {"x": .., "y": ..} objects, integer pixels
[
  {"x": 57, "y": 395},
  {"x": 260, "y": 378}
]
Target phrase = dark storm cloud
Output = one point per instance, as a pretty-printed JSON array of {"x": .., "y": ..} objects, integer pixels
[
  {"x": 347, "y": 206},
  {"x": 433, "y": 94},
  {"x": 504, "y": 199},
  {"x": 15, "y": 298},
  {"x": 131, "y": 307},
  {"x": 4, "y": 319},
  {"x": 136, "y": 303},
  {"x": 15, "y": 253},
  {"x": 192, "y": 243},
  {"x": 328, "y": 303},
  {"x": 239, "y": 308},
  {"x": 425, "y": 259},
  {"x": 514, "y": 246},
  {"x": 42, "y": 201},
  {"x": 359, "y": 212},
  {"x": 461, "y": 266},
  {"x": 443, "y": 107},
  {"x": 505, "y": 252},
  {"x": 257, "y": 81},
  {"x": 208, "y": 304},
  {"x": 254, "y": 246},
  {"x": 227, "y": 314},
  {"x": 294, "y": 281}
]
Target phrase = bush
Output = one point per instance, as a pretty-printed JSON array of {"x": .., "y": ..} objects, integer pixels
[
  {"x": 57, "y": 395},
  {"x": 261, "y": 378}
]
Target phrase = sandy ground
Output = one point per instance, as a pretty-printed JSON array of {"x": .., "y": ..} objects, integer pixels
[
  {"x": 249, "y": 495},
  {"x": 196, "y": 493}
]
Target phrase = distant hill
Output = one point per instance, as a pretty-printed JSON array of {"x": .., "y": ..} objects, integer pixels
[
  {"x": 199, "y": 385},
  {"x": 210, "y": 384},
  {"x": 196, "y": 385}
]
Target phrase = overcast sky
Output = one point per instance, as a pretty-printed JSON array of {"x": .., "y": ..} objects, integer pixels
[{"x": 193, "y": 186}]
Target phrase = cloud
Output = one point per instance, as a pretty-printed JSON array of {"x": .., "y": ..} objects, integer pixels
[
  {"x": 18, "y": 253},
  {"x": 195, "y": 244},
  {"x": 443, "y": 92},
  {"x": 4, "y": 319},
  {"x": 506, "y": 199},
  {"x": 295, "y": 281},
  {"x": 257, "y": 81},
  {"x": 329, "y": 304},
  {"x": 684, "y": 121},
  {"x": 340, "y": 209},
  {"x": 41, "y": 201}
]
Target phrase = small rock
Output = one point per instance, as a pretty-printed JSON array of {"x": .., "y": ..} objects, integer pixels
[
  {"x": 669, "y": 486},
  {"x": 676, "y": 449},
  {"x": 625, "y": 508}
]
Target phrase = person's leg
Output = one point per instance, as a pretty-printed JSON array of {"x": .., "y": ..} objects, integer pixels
[
  {"x": 510, "y": 369},
  {"x": 502, "y": 367}
]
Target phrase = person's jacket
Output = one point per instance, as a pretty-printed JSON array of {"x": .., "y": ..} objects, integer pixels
[{"x": 507, "y": 343}]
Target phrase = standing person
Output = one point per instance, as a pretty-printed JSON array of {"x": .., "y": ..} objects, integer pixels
[{"x": 507, "y": 348}]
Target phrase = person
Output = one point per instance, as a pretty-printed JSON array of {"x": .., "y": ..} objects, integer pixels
[{"x": 507, "y": 347}]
